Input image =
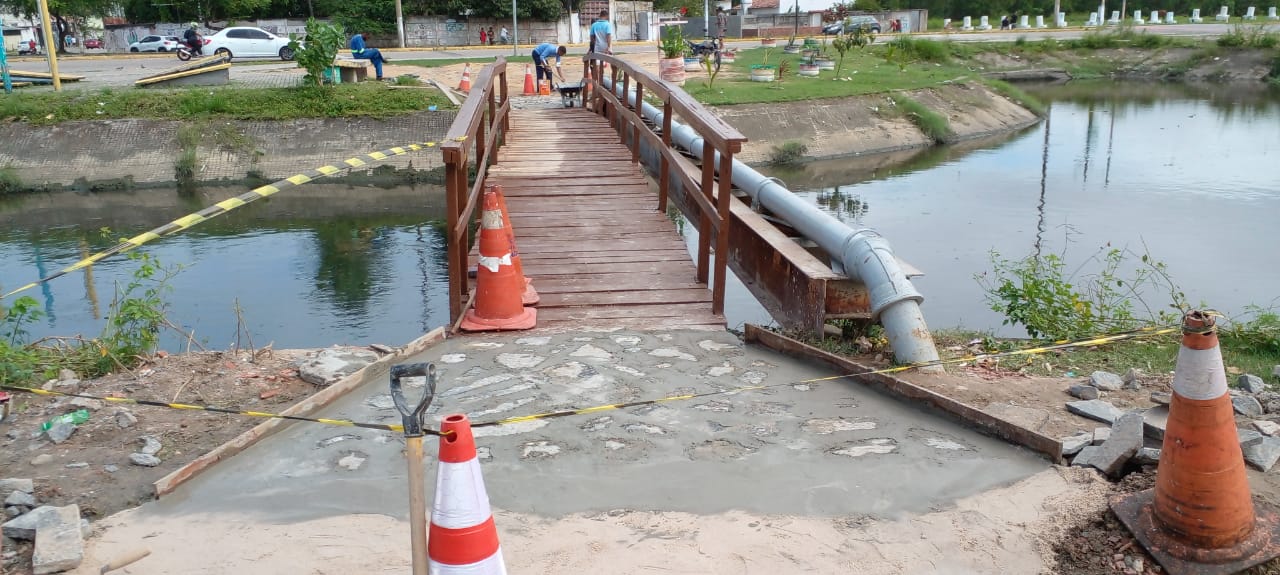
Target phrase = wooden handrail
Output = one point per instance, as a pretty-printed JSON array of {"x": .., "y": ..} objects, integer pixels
[
  {"x": 709, "y": 188},
  {"x": 478, "y": 126},
  {"x": 707, "y": 124}
]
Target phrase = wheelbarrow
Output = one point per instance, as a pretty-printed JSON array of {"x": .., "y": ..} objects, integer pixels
[{"x": 570, "y": 93}]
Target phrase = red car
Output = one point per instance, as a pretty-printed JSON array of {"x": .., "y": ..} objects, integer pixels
[{"x": 94, "y": 43}]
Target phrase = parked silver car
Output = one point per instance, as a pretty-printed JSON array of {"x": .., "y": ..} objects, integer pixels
[
  {"x": 155, "y": 43},
  {"x": 851, "y": 22}
]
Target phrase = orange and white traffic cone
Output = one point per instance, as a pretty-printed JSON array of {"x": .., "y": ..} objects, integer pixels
[
  {"x": 465, "y": 85},
  {"x": 463, "y": 539},
  {"x": 530, "y": 295},
  {"x": 498, "y": 287},
  {"x": 1200, "y": 518},
  {"x": 529, "y": 90}
]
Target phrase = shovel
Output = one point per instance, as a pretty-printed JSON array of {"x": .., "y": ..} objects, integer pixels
[{"x": 412, "y": 419}]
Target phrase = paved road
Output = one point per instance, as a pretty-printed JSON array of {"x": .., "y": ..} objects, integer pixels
[{"x": 123, "y": 70}]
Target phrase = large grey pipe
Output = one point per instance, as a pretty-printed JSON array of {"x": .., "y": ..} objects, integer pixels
[{"x": 864, "y": 253}]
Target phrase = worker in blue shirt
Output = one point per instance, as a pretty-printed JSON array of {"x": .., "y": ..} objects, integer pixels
[
  {"x": 373, "y": 55},
  {"x": 602, "y": 34},
  {"x": 541, "y": 56}
]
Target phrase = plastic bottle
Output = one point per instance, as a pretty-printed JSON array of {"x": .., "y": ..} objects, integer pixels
[{"x": 76, "y": 417}]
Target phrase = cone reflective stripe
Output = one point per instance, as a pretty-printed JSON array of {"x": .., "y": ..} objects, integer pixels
[
  {"x": 465, "y": 85},
  {"x": 463, "y": 537},
  {"x": 498, "y": 287},
  {"x": 529, "y": 90},
  {"x": 1200, "y": 518},
  {"x": 530, "y": 295}
]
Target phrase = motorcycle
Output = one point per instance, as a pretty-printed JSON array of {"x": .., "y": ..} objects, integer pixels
[
  {"x": 699, "y": 50},
  {"x": 185, "y": 51}
]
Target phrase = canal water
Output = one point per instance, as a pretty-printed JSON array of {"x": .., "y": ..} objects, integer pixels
[{"x": 1186, "y": 173}]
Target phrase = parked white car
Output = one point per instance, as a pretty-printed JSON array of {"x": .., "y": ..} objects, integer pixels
[
  {"x": 156, "y": 44},
  {"x": 246, "y": 42}
]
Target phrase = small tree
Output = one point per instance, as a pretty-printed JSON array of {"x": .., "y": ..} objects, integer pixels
[
  {"x": 321, "y": 46},
  {"x": 711, "y": 64},
  {"x": 859, "y": 38}
]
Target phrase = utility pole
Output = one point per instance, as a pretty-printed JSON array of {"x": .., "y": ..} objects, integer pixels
[
  {"x": 399, "y": 23},
  {"x": 515, "y": 30},
  {"x": 1057, "y": 9},
  {"x": 49, "y": 46}
]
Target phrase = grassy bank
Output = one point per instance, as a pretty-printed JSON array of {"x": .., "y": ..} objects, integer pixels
[{"x": 369, "y": 99}]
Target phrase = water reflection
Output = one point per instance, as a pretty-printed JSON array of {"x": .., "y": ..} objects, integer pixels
[
  {"x": 337, "y": 264},
  {"x": 1119, "y": 164}
]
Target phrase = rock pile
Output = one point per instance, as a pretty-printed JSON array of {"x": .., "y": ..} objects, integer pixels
[
  {"x": 1134, "y": 437},
  {"x": 58, "y": 532}
]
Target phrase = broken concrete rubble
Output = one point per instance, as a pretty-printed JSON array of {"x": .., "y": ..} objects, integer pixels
[
  {"x": 1085, "y": 392},
  {"x": 1148, "y": 456},
  {"x": 1101, "y": 435},
  {"x": 1106, "y": 381},
  {"x": 1263, "y": 455},
  {"x": 331, "y": 365},
  {"x": 1154, "y": 422},
  {"x": 1251, "y": 383},
  {"x": 1072, "y": 445},
  {"x": 1095, "y": 409},
  {"x": 1247, "y": 405},
  {"x": 1123, "y": 444}
]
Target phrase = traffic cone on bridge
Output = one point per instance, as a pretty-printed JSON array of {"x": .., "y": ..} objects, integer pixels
[
  {"x": 530, "y": 295},
  {"x": 463, "y": 538},
  {"x": 465, "y": 85},
  {"x": 499, "y": 287},
  {"x": 1200, "y": 519},
  {"x": 529, "y": 89}
]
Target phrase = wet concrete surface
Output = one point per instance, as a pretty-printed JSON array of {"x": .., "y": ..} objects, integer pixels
[{"x": 823, "y": 449}]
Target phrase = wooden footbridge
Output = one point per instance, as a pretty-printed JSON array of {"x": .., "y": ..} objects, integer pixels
[{"x": 588, "y": 190}]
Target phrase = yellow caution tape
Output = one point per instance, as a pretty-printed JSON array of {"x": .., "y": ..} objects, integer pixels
[
  {"x": 223, "y": 207},
  {"x": 1055, "y": 346}
]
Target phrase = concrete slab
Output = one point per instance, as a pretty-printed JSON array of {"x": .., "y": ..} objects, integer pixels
[{"x": 706, "y": 455}]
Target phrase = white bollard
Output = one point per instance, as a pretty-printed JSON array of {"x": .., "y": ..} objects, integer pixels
[
  {"x": 1093, "y": 20},
  {"x": 946, "y": 23},
  {"x": 1024, "y": 21},
  {"x": 1062, "y": 19},
  {"x": 1040, "y": 21},
  {"x": 1271, "y": 14},
  {"x": 968, "y": 24},
  {"x": 1195, "y": 16},
  {"x": 1137, "y": 18},
  {"x": 1115, "y": 17},
  {"x": 984, "y": 23},
  {"x": 1250, "y": 14},
  {"x": 1224, "y": 15},
  {"x": 1169, "y": 19}
]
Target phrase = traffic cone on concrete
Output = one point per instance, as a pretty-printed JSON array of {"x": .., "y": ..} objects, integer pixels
[
  {"x": 1200, "y": 518},
  {"x": 498, "y": 286},
  {"x": 465, "y": 85},
  {"x": 529, "y": 90},
  {"x": 530, "y": 295},
  {"x": 463, "y": 538}
]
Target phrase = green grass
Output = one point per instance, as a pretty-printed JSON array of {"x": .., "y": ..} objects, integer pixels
[
  {"x": 369, "y": 99},
  {"x": 867, "y": 73},
  {"x": 1017, "y": 95},
  {"x": 933, "y": 124},
  {"x": 10, "y": 182}
]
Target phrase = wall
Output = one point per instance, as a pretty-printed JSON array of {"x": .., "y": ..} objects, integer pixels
[{"x": 87, "y": 155}]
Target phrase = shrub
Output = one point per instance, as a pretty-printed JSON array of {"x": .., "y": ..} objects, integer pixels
[
  {"x": 789, "y": 153},
  {"x": 933, "y": 124},
  {"x": 321, "y": 47},
  {"x": 920, "y": 49}
]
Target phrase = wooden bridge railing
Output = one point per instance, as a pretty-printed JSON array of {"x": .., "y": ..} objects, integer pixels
[
  {"x": 712, "y": 198},
  {"x": 470, "y": 148}
]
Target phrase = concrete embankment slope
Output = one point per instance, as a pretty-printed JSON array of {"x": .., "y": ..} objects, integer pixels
[
  {"x": 119, "y": 153},
  {"x": 823, "y": 477},
  {"x": 870, "y": 124}
]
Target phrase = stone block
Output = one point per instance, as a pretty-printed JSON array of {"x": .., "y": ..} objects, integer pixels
[
  {"x": 1154, "y": 422},
  {"x": 1095, "y": 409}
]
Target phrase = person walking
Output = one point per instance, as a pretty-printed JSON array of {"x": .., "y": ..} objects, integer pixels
[
  {"x": 541, "y": 60},
  {"x": 504, "y": 35},
  {"x": 722, "y": 25},
  {"x": 360, "y": 52},
  {"x": 491, "y": 38},
  {"x": 602, "y": 34},
  {"x": 482, "y": 37}
]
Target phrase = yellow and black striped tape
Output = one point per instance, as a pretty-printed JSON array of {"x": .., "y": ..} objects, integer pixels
[
  {"x": 191, "y": 407},
  {"x": 1055, "y": 346},
  {"x": 227, "y": 205}
]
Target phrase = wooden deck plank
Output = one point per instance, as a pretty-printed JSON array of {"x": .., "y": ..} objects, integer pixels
[{"x": 588, "y": 229}]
